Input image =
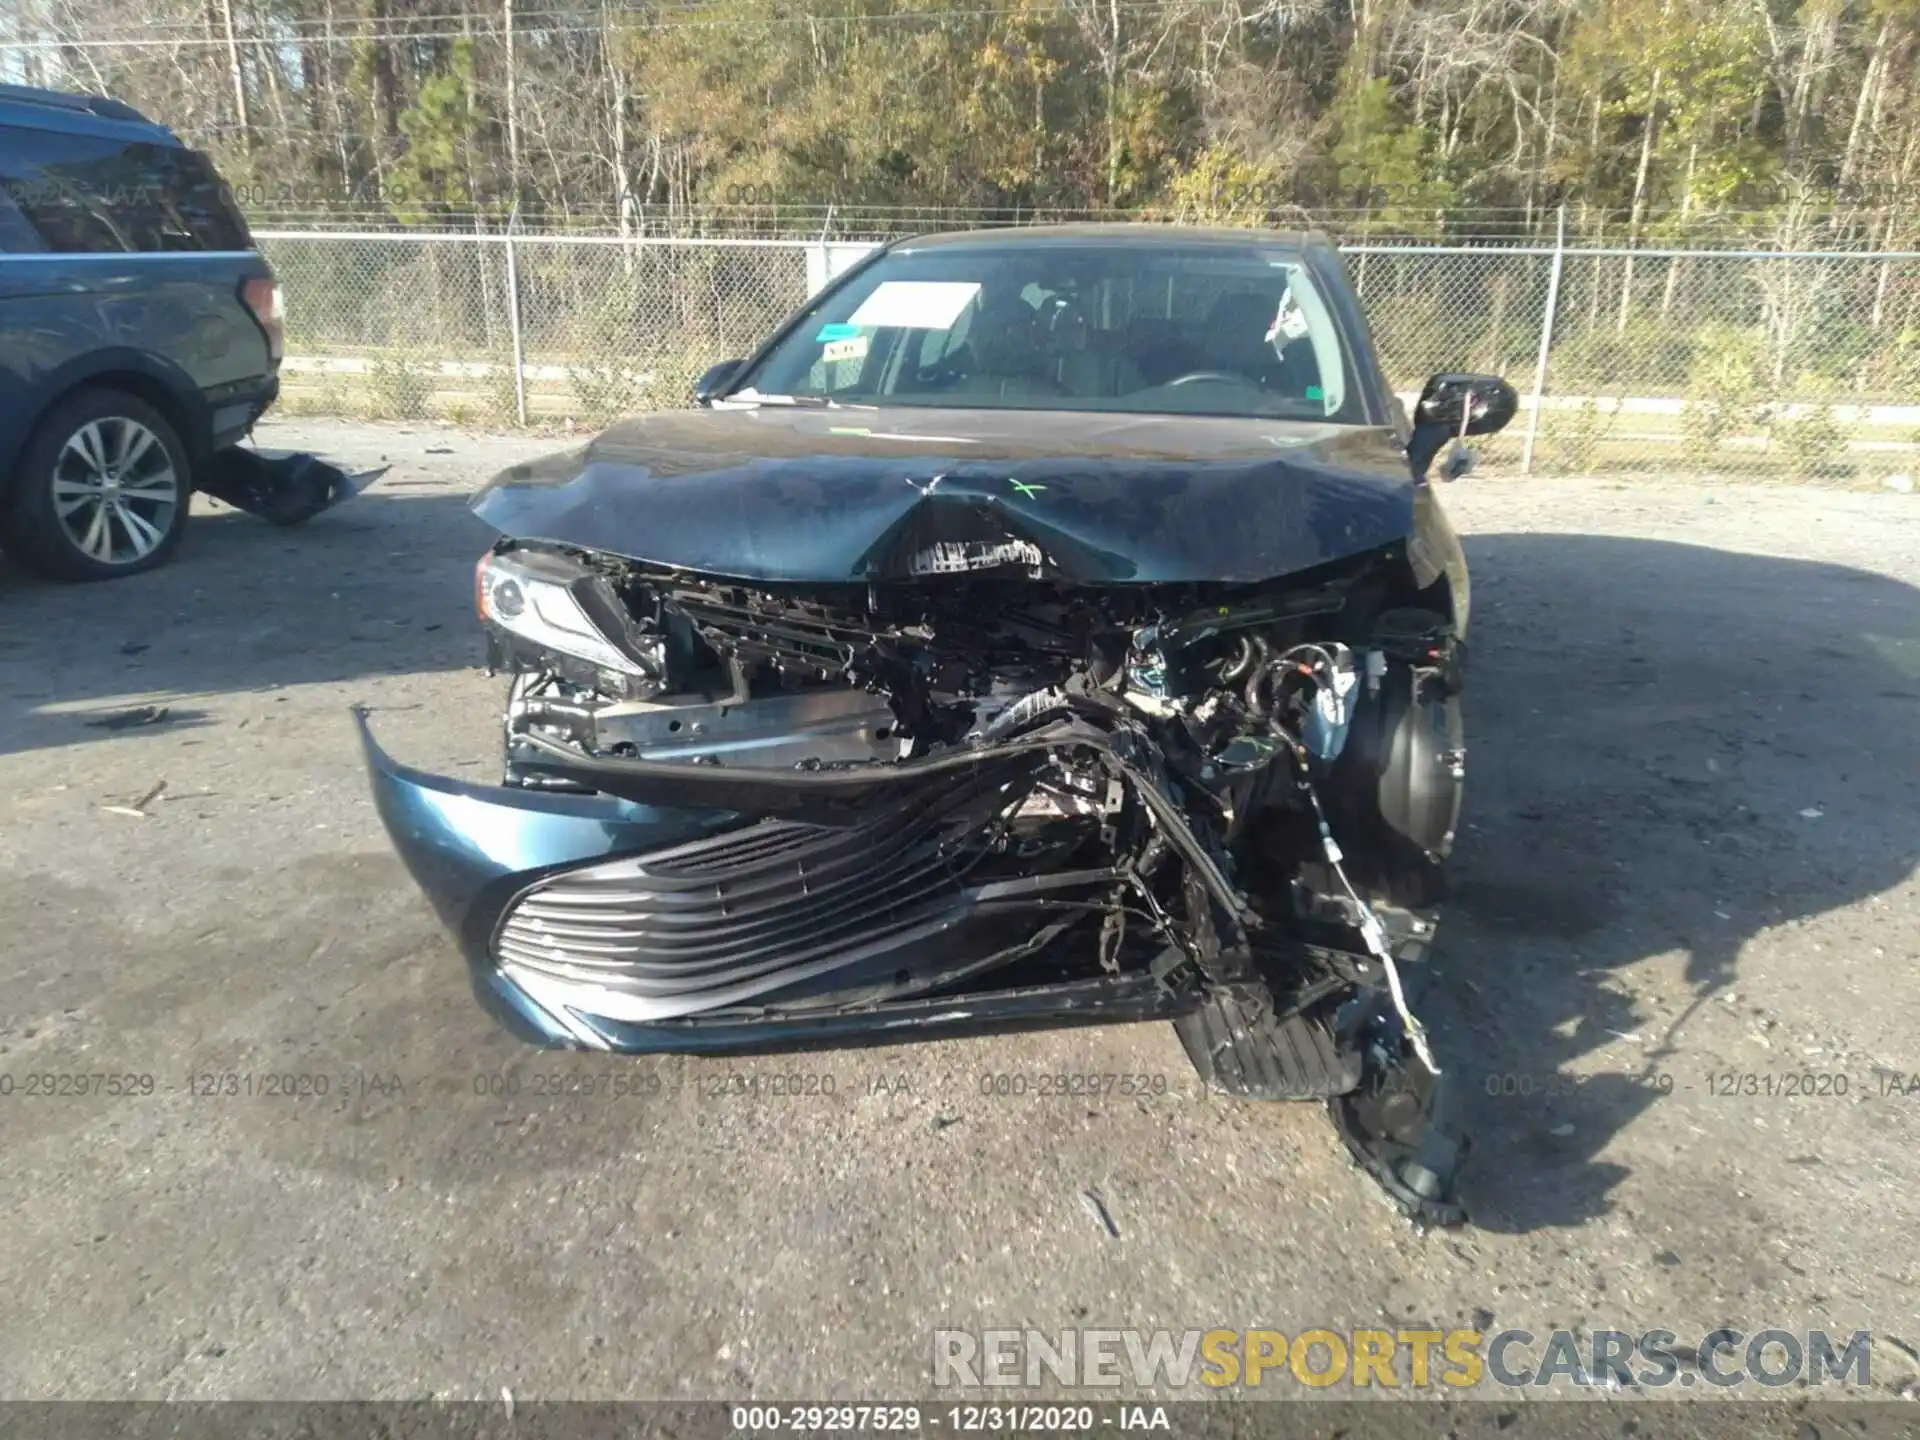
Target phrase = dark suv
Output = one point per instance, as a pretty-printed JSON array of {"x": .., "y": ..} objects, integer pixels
[{"x": 139, "y": 333}]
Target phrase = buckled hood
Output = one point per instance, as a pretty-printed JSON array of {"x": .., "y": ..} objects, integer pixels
[{"x": 858, "y": 494}]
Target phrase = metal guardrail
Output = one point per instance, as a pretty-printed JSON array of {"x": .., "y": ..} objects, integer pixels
[{"x": 1692, "y": 361}]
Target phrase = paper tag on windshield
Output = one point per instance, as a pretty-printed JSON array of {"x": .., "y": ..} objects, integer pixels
[
  {"x": 854, "y": 348},
  {"x": 915, "y": 304},
  {"x": 1289, "y": 321}
]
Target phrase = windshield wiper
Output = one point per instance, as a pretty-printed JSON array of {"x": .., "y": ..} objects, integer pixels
[{"x": 754, "y": 397}]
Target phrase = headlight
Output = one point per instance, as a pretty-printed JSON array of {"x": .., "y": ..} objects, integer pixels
[{"x": 560, "y": 606}]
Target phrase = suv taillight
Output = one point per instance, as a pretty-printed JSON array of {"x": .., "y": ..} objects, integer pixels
[{"x": 262, "y": 297}]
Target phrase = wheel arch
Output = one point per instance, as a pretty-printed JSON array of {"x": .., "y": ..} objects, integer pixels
[{"x": 154, "y": 379}]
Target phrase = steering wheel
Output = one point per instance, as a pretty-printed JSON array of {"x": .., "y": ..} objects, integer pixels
[{"x": 1195, "y": 376}]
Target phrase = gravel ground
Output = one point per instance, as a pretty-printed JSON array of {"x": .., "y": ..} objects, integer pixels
[{"x": 1694, "y": 816}]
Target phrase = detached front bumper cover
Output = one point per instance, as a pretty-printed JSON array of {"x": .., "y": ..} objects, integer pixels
[
  {"x": 478, "y": 850},
  {"x": 499, "y": 862},
  {"x": 281, "y": 487}
]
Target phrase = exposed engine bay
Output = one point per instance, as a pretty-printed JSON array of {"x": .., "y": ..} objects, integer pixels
[{"x": 979, "y": 782}]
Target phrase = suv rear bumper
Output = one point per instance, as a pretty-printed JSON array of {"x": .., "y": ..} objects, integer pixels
[{"x": 233, "y": 409}]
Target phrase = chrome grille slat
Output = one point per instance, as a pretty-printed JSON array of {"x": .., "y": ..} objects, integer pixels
[
  {"x": 747, "y": 909},
  {"x": 622, "y": 976},
  {"x": 663, "y": 879},
  {"x": 740, "y": 912},
  {"x": 712, "y": 949}
]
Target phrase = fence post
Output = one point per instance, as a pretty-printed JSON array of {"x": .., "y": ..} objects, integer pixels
[
  {"x": 513, "y": 320},
  {"x": 1546, "y": 339}
]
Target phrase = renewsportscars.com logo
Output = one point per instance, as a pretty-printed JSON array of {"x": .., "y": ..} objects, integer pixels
[{"x": 1397, "y": 1359}]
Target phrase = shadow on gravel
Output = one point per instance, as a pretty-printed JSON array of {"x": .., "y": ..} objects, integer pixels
[
  {"x": 380, "y": 586},
  {"x": 1672, "y": 748}
]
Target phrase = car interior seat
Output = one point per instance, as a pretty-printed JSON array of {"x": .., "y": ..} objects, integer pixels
[{"x": 1008, "y": 359}]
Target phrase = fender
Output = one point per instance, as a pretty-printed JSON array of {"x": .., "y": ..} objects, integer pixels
[{"x": 163, "y": 380}]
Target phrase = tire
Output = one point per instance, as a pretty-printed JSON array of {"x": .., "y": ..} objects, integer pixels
[
  {"x": 1397, "y": 790},
  {"x": 91, "y": 499}
]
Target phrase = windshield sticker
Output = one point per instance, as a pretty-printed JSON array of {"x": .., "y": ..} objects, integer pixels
[
  {"x": 1024, "y": 488},
  {"x": 951, "y": 556},
  {"x": 1289, "y": 321},
  {"x": 837, "y": 331},
  {"x": 915, "y": 304},
  {"x": 1314, "y": 392},
  {"x": 852, "y": 349}
]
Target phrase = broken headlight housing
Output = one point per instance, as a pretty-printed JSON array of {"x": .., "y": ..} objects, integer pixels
[{"x": 545, "y": 611}]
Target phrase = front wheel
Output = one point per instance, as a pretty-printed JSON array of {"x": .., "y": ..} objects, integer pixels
[
  {"x": 101, "y": 490},
  {"x": 1394, "y": 799}
]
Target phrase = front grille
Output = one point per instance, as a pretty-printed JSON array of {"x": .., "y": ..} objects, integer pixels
[{"x": 739, "y": 914}]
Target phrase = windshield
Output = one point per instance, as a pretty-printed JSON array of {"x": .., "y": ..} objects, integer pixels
[{"x": 1149, "y": 327}]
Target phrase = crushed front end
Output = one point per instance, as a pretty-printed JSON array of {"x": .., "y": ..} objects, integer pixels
[{"x": 746, "y": 814}]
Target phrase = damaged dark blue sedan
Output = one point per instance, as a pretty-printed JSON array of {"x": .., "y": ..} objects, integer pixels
[{"x": 1044, "y": 627}]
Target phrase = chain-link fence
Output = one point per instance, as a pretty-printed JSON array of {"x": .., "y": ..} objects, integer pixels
[
  {"x": 1697, "y": 362},
  {"x": 494, "y": 330},
  {"x": 1694, "y": 362}
]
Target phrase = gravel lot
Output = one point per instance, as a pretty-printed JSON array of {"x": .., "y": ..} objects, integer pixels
[{"x": 1694, "y": 820}]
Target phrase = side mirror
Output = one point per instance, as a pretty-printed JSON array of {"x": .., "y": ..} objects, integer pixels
[
  {"x": 1454, "y": 406},
  {"x": 715, "y": 380}
]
